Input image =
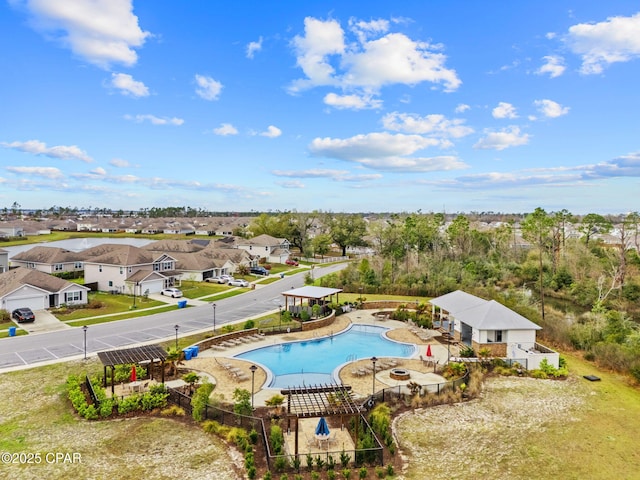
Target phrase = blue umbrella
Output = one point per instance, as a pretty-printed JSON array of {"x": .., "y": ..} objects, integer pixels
[{"x": 322, "y": 428}]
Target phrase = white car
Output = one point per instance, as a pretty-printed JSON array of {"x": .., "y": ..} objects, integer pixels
[
  {"x": 239, "y": 283},
  {"x": 171, "y": 292}
]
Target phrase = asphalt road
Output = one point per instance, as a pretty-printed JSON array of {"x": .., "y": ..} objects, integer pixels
[{"x": 68, "y": 344}]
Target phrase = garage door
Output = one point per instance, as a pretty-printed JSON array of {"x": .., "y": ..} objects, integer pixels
[
  {"x": 33, "y": 302},
  {"x": 154, "y": 286}
]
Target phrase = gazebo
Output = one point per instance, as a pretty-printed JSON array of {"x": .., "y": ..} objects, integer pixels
[
  {"x": 313, "y": 296},
  {"x": 146, "y": 354},
  {"x": 319, "y": 401}
]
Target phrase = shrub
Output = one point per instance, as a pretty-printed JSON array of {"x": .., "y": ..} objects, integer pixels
[
  {"x": 249, "y": 324},
  {"x": 173, "y": 411},
  {"x": 331, "y": 474},
  {"x": 346, "y": 473},
  {"x": 200, "y": 399},
  {"x": 362, "y": 473},
  {"x": 390, "y": 471}
]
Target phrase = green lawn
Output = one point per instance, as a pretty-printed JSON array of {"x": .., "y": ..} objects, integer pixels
[
  {"x": 201, "y": 289},
  {"x": 110, "y": 304}
]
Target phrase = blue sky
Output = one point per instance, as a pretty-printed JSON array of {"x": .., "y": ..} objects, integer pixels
[{"x": 453, "y": 106}]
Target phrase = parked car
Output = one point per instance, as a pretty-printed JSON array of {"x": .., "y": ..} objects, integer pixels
[
  {"x": 239, "y": 282},
  {"x": 171, "y": 292},
  {"x": 292, "y": 262},
  {"x": 23, "y": 315},
  {"x": 259, "y": 271},
  {"x": 219, "y": 279}
]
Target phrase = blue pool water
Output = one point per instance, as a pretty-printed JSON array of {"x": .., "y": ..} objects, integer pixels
[{"x": 313, "y": 362}]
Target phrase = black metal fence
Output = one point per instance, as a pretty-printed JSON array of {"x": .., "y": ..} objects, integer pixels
[{"x": 91, "y": 391}]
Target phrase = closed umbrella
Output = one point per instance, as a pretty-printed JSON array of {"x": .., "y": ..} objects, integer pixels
[
  {"x": 429, "y": 351},
  {"x": 134, "y": 375},
  {"x": 322, "y": 429}
]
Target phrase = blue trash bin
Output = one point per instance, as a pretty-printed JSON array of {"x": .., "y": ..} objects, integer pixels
[
  {"x": 195, "y": 350},
  {"x": 12, "y": 331},
  {"x": 182, "y": 303},
  {"x": 187, "y": 353}
]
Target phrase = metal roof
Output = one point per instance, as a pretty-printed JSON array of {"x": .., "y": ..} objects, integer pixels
[
  {"x": 149, "y": 353},
  {"x": 311, "y": 292}
]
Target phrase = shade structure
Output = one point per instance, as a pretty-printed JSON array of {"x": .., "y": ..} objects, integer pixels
[
  {"x": 429, "y": 351},
  {"x": 322, "y": 429},
  {"x": 134, "y": 375}
]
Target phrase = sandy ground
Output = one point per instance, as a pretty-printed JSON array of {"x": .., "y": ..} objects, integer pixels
[{"x": 212, "y": 362}]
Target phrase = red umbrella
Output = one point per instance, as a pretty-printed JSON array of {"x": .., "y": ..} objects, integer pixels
[
  {"x": 133, "y": 376},
  {"x": 429, "y": 351}
]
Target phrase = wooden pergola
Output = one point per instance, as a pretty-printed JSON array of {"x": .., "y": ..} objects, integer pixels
[
  {"x": 319, "y": 401},
  {"x": 146, "y": 354}
]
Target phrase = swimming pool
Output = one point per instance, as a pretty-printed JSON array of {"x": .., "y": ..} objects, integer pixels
[{"x": 313, "y": 362}]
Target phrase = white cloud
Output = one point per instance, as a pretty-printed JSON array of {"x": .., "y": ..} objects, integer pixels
[
  {"x": 155, "y": 120},
  {"x": 336, "y": 175},
  {"x": 504, "y": 110},
  {"x": 550, "y": 109},
  {"x": 461, "y": 108},
  {"x": 352, "y": 102},
  {"x": 385, "y": 151},
  {"x": 36, "y": 147},
  {"x": 554, "y": 66},
  {"x": 46, "y": 172},
  {"x": 600, "y": 44},
  {"x": 225, "y": 129},
  {"x": 128, "y": 86},
  {"x": 208, "y": 88},
  {"x": 254, "y": 47},
  {"x": 119, "y": 163},
  {"x": 321, "y": 39},
  {"x": 366, "y": 64},
  {"x": 102, "y": 32},
  {"x": 508, "y": 137},
  {"x": 272, "y": 132},
  {"x": 99, "y": 171},
  {"x": 436, "y": 125},
  {"x": 291, "y": 184}
]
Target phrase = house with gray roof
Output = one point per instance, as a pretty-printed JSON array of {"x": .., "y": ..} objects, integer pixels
[
  {"x": 49, "y": 260},
  {"x": 114, "y": 268},
  {"x": 267, "y": 247},
  {"x": 23, "y": 287},
  {"x": 482, "y": 324}
]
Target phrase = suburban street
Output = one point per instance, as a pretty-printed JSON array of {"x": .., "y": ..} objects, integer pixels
[{"x": 67, "y": 344}]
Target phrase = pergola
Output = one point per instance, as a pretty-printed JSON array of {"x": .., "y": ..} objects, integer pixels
[
  {"x": 319, "y": 401},
  {"x": 312, "y": 294},
  {"x": 146, "y": 354}
]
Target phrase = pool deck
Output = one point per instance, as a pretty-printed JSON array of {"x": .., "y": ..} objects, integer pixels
[{"x": 231, "y": 373}]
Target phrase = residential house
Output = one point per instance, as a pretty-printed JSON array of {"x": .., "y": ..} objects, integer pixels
[
  {"x": 49, "y": 260},
  {"x": 482, "y": 324},
  {"x": 4, "y": 260},
  {"x": 269, "y": 248},
  {"x": 23, "y": 287},
  {"x": 128, "y": 269}
]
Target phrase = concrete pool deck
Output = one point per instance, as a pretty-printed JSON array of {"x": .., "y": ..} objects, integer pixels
[{"x": 231, "y": 373}]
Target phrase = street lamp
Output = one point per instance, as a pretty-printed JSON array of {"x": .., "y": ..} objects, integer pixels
[
  {"x": 177, "y": 327},
  {"x": 214, "y": 317},
  {"x": 85, "y": 328},
  {"x": 253, "y": 369},
  {"x": 374, "y": 360}
]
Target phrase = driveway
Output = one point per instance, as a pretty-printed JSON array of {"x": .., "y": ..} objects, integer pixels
[{"x": 45, "y": 322}]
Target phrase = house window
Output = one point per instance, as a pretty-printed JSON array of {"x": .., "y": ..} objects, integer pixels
[
  {"x": 494, "y": 336},
  {"x": 78, "y": 265},
  {"x": 121, "y": 270},
  {"x": 100, "y": 268},
  {"x": 111, "y": 283},
  {"x": 58, "y": 267},
  {"x": 31, "y": 265},
  {"x": 70, "y": 297},
  {"x": 156, "y": 267}
]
